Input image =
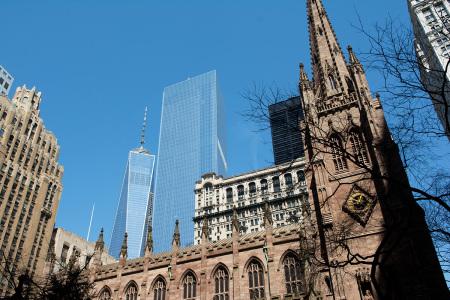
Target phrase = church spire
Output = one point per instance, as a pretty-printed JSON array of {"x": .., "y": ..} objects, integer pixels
[
  {"x": 328, "y": 63},
  {"x": 142, "y": 142}
]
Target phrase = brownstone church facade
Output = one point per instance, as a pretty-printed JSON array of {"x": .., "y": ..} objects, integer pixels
[{"x": 362, "y": 236}]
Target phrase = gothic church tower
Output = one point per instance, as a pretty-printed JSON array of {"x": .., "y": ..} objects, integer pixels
[{"x": 373, "y": 236}]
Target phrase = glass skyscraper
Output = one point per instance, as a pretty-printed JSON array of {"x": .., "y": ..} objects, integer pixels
[
  {"x": 192, "y": 142},
  {"x": 134, "y": 204}
]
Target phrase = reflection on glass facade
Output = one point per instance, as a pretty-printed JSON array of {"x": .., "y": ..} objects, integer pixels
[
  {"x": 192, "y": 142},
  {"x": 134, "y": 204}
]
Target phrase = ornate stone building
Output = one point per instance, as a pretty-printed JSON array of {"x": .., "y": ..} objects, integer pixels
[
  {"x": 284, "y": 187},
  {"x": 30, "y": 185},
  {"x": 364, "y": 238}
]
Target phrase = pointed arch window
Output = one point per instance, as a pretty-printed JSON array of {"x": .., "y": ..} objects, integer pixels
[
  {"x": 221, "y": 281},
  {"x": 358, "y": 148},
  {"x": 256, "y": 281},
  {"x": 333, "y": 85},
  {"x": 105, "y": 294},
  {"x": 131, "y": 292},
  {"x": 340, "y": 164},
  {"x": 159, "y": 290},
  {"x": 189, "y": 287},
  {"x": 292, "y": 275}
]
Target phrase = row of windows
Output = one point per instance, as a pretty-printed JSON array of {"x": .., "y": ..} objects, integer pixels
[
  {"x": 358, "y": 149},
  {"x": 264, "y": 186},
  {"x": 256, "y": 282}
]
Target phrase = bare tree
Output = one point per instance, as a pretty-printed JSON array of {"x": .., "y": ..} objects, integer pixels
[{"x": 69, "y": 282}]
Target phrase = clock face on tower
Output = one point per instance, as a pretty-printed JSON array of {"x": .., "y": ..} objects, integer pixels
[{"x": 359, "y": 204}]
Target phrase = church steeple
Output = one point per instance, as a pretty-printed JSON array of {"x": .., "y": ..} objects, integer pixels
[{"x": 330, "y": 73}]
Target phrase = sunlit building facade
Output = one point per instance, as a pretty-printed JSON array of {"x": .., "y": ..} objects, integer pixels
[
  {"x": 192, "y": 142},
  {"x": 30, "y": 187},
  {"x": 6, "y": 81},
  {"x": 430, "y": 23},
  {"x": 133, "y": 208}
]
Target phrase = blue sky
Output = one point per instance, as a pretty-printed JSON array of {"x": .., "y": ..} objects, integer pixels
[{"x": 99, "y": 63}]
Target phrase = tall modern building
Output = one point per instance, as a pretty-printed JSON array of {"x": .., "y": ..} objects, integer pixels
[
  {"x": 133, "y": 208},
  {"x": 287, "y": 140},
  {"x": 6, "y": 81},
  {"x": 30, "y": 187},
  {"x": 192, "y": 142},
  {"x": 430, "y": 22}
]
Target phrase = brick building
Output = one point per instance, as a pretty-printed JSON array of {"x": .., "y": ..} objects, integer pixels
[{"x": 363, "y": 238}]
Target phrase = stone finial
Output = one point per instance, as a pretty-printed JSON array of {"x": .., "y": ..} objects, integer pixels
[
  {"x": 304, "y": 83},
  {"x": 303, "y": 75},
  {"x": 351, "y": 56},
  {"x": 124, "y": 250},
  {"x": 99, "y": 244},
  {"x": 149, "y": 245},
  {"x": 235, "y": 222},
  {"x": 268, "y": 221},
  {"x": 176, "y": 235},
  {"x": 205, "y": 228}
]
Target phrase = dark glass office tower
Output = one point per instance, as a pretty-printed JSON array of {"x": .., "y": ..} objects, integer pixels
[
  {"x": 134, "y": 203},
  {"x": 284, "y": 124},
  {"x": 192, "y": 142}
]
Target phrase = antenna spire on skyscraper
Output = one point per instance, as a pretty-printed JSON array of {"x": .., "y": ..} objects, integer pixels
[{"x": 143, "y": 129}]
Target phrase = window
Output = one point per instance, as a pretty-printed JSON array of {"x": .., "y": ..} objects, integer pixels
[
  {"x": 441, "y": 11},
  {"x": 131, "y": 292},
  {"x": 1, "y": 81},
  {"x": 240, "y": 192},
  {"x": 359, "y": 151},
  {"x": 301, "y": 177},
  {"x": 189, "y": 287},
  {"x": 256, "y": 281},
  {"x": 221, "y": 280},
  {"x": 6, "y": 85},
  {"x": 332, "y": 82},
  {"x": 288, "y": 180},
  {"x": 276, "y": 184},
  {"x": 340, "y": 164},
  {"x": 64, "y": 252},
  {"x": 105, "y": 294},
  {"x": 2, "y": 131},
  {"x": 252, "y": 188},
  {"x": 264, "y": 187},
  {"x": 428, "y": 14},
  {"x": 159, "y": 290},
  {"x": 229, "y": 195},
  {"x": 292, "y": 275},
  {"x": 329, "y": 287}
]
